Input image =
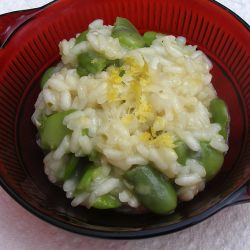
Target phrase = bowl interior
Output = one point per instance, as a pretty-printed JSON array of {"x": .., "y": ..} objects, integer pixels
[{"x": 29, "y": 53}]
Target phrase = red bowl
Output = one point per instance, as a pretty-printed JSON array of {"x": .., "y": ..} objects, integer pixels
[{"x": 30, "y": 44}]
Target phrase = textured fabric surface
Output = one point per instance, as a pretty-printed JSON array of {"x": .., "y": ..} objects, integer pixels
[{"x": 19, "y": 230}]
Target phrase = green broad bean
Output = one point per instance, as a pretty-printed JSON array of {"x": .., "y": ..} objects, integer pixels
[
  {"x": 152, "y": 189},
  {"x": 82, "y": 37},
  {"x": 211, "y": 159},
  {"x": 89, "y": 174},
  {"x": 220, "y": 115},
  {"x": 52, "y": 130},
  {"x": 81, "y": 71},
  {"x": 182, "y": 151},
  {"x": 70, "y": 167},
  {"x": 85, "y": 131},
  {"x": 149, "y": 37},
  {"x": 90, "y": 62},
  {"x": 107, "y": 201},
  {"x": 46, "y": 75},
  {"x": 89, "y": 69},
  {"x": 42, "y": 119},
  {"x": 128, "y": 35}
]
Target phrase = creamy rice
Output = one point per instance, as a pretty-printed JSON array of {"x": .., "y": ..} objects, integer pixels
[{"x": 133, "y": 119}]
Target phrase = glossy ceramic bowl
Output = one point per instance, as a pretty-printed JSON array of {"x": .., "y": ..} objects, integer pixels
[{"x": 30, "y": 45}]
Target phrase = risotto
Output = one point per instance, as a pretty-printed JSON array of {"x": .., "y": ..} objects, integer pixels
[{"x": 130, "y": 120}]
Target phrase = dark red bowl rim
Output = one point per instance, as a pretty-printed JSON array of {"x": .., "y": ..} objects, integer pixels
[{"x": 145, "y": 233}]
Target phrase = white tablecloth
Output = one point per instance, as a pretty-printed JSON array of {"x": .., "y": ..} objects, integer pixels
[{"x": 20, "y": 230}]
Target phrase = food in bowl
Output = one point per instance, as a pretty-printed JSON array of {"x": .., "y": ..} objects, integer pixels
[{"x": 130, "y": 120}]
